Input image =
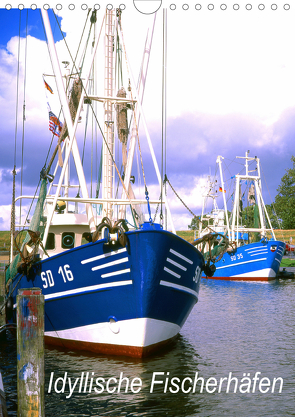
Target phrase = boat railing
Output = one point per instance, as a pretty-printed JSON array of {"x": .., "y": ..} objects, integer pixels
[
  {"x": 94, "y": 200},
  {"x": 251, "y": 229}
]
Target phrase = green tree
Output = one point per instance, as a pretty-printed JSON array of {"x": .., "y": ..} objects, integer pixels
[
  {"x": 195, "y": 223},
  {"x": 272, "y": 216},
  {"x": 248, "y": 216},
  {"x": 285, "y": 199}
]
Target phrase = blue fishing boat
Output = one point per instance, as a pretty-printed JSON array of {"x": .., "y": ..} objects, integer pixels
[
  {"x": 113, "y": 282},
  {"x": 241, "y": 252},
  {"x": 258, "y": 261}
]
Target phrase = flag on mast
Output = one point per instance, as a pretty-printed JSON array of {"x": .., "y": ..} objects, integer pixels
[
  {"x": 47, "y": 86},
  {"x": 55, "y": 125}
]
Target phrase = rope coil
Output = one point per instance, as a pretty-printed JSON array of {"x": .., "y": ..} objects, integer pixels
[{"x": 119, "y": 228}]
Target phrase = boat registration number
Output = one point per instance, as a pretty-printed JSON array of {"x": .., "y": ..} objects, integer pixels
[
  {"x": 236, "y": 257},
  {"x": 197, "y": 274},
  {"x": 64, "y": 271}
]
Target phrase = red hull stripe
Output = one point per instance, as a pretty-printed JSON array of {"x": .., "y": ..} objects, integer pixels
[
  {"x": 242, "y": 278},
  {"x": 108, "y": 349}
]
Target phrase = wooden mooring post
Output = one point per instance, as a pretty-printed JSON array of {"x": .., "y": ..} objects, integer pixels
[
  {"x": 2, "y": 306},
  {"x": 30, "y": 353}
]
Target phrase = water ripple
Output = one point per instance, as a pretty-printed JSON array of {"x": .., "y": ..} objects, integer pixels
[{"x": 236, "y": 330}]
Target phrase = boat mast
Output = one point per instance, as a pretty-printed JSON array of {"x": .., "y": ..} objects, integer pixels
[
  {"x": 208, "y": 194},
  {"x": 219, "y": 161},
  {"x": 259, "y": 195},
  {"x": 71, "y": 127},
  {"x": 108, "y": 143},
  {"x": 236, "y": 210},
  {"x": 67, "y": 178},
  {"x": 136, "y": 119},
  {"x": 148, "y": 139},
  {"x": 259, "y": 200}
]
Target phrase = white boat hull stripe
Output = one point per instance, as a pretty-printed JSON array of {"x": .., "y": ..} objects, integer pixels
[
  {"x": 257, "y": 248},
  {"x": 172, "y": 272},
  {"x": 241, "y": 263},
  {"x": 116, "y": 262},
  {"x": 87, "y": 289},
  {"x": 111, "y": 274},
  {"x": 105, "y": 255},
  {"x": 176, "y": 264},
  {"x": 181, "y": 256},
  {"x": 179, "y": 287}
]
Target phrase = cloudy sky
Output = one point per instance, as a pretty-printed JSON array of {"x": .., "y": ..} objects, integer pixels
[{"x": 230, "y": 88}]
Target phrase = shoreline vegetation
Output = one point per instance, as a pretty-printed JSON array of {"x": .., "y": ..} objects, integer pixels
[{"x": 283, "y": 235}]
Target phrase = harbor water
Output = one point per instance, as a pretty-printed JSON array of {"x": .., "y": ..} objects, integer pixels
[{"x": 235, "y": 356}]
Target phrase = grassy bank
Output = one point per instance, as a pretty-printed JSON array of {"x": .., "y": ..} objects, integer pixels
[
  {"x": 288, "y": 262},
  {"x": 188, "y": 235},
  {"x": 283, "y": 235},
  {"x": 4, "y": 240}
]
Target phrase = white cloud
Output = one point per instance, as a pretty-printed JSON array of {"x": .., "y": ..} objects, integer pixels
[
  {"x": 5, "y": 214},
  {"x": 231, "y": 74}
]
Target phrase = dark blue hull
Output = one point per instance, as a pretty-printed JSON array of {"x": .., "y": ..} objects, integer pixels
[{"x": 113, "y": 299}]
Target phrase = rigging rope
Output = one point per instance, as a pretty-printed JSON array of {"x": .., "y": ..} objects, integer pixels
[
  {"x": 135, "y": 123},
  {"x": 27, "y": 217},
  {"x": 44, "y": 31},
  {"x": 17, "y": 87},
  {"x": 92, "y": 20},
  {"x": 24, "y": 118},
  {"x": 118, "y": 64},
  {"x": 134, "y": 115},
  {"x": 164, "y": 110},
  {"x": 67, "y": 87},
  {"x": 12, "y": 223},
  {"x": 191, "y": 212},
  {"x": 90, "y": 104}
]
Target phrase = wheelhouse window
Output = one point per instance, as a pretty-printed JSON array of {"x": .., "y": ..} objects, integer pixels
[
  {"x": 68, "y": 240},
  {"x": 86, "y": 238},
  {"x": 50, "y": 242}
]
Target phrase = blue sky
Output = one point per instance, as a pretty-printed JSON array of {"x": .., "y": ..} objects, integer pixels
[
  {"x": 10, "y": 20},
  {"x": 230, "y": 88}
]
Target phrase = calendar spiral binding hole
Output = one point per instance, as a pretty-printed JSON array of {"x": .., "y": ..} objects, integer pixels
[{"x": 172, "y": 6}]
